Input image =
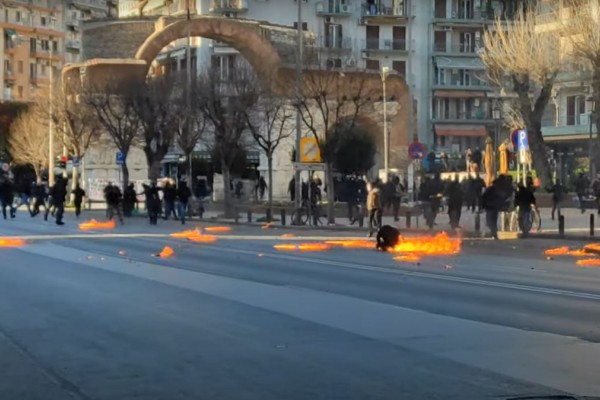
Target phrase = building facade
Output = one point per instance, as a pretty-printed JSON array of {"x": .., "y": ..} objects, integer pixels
[{"x": 37, "y": 38}]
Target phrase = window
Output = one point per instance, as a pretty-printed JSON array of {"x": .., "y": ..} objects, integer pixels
[
  {"x": 32, "y": 70},
  {"x": 575, "y": 107},
  {"x": 304, "y": 26},
  {"x": 399, "y": 35},
  {"x": 372, "y": 65},
  {"x": 20, "y": 91},
  {"x": 439, "y": 41},
  {"x": 55, "y": 46},
  {"x": 399, "y": 67},
  {"x": 43, "y": 21},
  {"x": 32, "y": 45},
  {"x": 334, "y": 63},
  {"x": 18, "y": 16},
  {"x": 7, "y": 65},
  {"x": 20, "y": 67},
  {"x": 372, "y": 37}
]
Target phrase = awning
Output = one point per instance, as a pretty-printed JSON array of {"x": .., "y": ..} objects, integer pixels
[
  {"x": 177, "y": 53},
  {"x": 458, "y": 94},
  {"x": 459, "y": 62},
  {"x": 460, "y": 130}
]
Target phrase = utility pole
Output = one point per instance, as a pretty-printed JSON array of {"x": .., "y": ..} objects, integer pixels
[
  {"x": 298, "y": 190},
  {"x": 188, "y": 92},
  {"x": 50, "y": 125}
]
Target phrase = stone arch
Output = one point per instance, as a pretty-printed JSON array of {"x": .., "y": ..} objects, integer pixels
[{"x": 241, "y": 35}]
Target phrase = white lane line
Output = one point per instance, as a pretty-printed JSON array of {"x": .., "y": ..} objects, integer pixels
[
  {"x": 168, "y": 235},
  {"x": 425, "y": 275}
]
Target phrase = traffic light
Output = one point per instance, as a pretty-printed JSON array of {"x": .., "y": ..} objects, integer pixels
[{"x": 62, "y": 162}]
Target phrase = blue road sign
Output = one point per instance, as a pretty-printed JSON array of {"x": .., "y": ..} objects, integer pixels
[
  {"x": 523, "y": 140},
  {"x": 120, "y": 158},
  {"x": 75, "y": 161}
]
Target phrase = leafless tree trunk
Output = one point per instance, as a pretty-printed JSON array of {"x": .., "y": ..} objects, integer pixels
[
  {"x": 224, "y": 103},
  {"x": 523, "y": 59},
  {"x": 112, "y": 107}
]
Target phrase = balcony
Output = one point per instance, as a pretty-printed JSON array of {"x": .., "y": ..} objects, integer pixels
[
  {"x": 456, "y": 49},
  {"x": 335, "y": 44},
  {"x": 474, "y": 15},
  {"x": 385, "y": 14},
  {"x": 228, "y": 6},
  {"x": 9, "y": 76},
  {"x": 73, "y": 23},
  {"x": 462, "y": 83},
  {"x": 73, "y": 45},
  {"x": 88, "y": 4},
  {"x": 333, "y": 9},
  {"x": 471, "y": 117},
  {"x": 382, "y": 46}
]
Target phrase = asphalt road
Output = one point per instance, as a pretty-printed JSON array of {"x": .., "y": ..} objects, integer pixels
[{"x": 93, "y": 315}]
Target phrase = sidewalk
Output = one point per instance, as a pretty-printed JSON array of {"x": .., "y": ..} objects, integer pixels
[{"x": 577, "y": 225}]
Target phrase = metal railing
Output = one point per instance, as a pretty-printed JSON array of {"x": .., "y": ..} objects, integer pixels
[
  {"x": 229, "y": 5},
  {"x": 372, "y": 10},
  {"x": 464, "y": 48},
  {"x": 384, "y": 44}
]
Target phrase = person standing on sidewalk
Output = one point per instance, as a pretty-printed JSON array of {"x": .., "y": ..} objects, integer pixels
[
  {"x": 374, "y": 207},
  {"x": 58, "y": 194},
  {"x": 6, "y": 197},
  {"x": 491, "y": 200},
  {"x": 169, "y": 196},
  {"x": 183, "y": 195},
  {"x": 397, "y": 197},
  {"x": 455, "y": 202},
  {"x": 129, "y": 200},
  {"x": 558, "y": 195}
]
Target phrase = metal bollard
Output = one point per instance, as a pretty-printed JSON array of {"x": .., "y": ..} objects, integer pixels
[
  {"x": 269, "y": 215},
  {"x": 249, "y": 214},
  {"x": 408, "y": 221},
  {"x": 361, "y": 218},
  {"x": 561, "y": 225},
  {"x": 478, "y": 223},
  {"x": 236, "y": 215},
  {"x": 592, "y": 224},
  {"x": 283, "y": 216}
]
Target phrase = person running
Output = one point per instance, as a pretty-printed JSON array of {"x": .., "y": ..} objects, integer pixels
[
  {"x": 113, "y": 199},
  {"x": 40, "y": 196},
  {"x": 261, "y": 187},
  {"x": 58, "y": 195},
  {"x": 581, "y": 186},
  {"x": 25, "y": 196},
  {"x": 169, "y": 196},
  {"x": 524, "y": 200},
  {"x": 183, "y": 195},
  {"x": 374, "y": 207},
  {"x": 129, "y": 200},
  {"x": 78, "y": 195},
  {"x": 6, "y": 197}
]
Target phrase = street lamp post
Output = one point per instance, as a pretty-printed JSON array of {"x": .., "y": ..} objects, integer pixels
[
  {"x": 590, "y": 105},
  {"x": 385, "y": 71},
  {"x": 496, "y": 116},
  {"x": 50, "y": 124},
  {"x": 188, "y": 93},
  {"x": 298, "y": 184}
]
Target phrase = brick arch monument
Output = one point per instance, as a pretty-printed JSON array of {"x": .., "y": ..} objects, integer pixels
[{"x": 269, "y": 49}]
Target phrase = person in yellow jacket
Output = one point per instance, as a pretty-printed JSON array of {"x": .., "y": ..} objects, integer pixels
[{"x": 374, "y": 207}]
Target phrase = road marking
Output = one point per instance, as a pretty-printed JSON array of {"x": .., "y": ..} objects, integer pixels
[
  {"x": 425, "y": 275},
  {"x": 167, "y": 235}
]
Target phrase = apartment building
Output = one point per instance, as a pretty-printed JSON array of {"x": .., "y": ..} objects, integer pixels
[
  {"x": 31, "y": 46},
  {"x": 77, "y": 11},
  {"x": 39, "y": 36},
  {"x": 567, "y": 125}
]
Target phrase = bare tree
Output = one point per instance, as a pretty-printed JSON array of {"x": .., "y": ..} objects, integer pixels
[
  {"x": 112, "y": 106},
  {"x": 153, "y": 103},
  {"x": 28, "y": 141},
  {"x": 76, "y": 124},
  {"x": 582, "y": 36},
  {"x": 268, "y": 124},
  {"x": 524, "y": 59},
  {"x": 224, "y": 103},
  {"x": 331, "y": 98}
]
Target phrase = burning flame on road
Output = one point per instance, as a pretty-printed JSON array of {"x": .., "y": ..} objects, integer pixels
[
  {"x": 302, "y": 247},
  {"x": 11, "y": 242},
  {"x": 438, "y": 245},
  {"x": 165, "y": 253},
  {"x": 186, "y": 234},
  {"x": 93, "y": 224},
  {"x": 202, "y": 238},
  {"x": 592, "y": 248},
  {"x": 352, "y": 244},
  {"x": 589, "y": 262},
  {"x": 217, "y": 229}
]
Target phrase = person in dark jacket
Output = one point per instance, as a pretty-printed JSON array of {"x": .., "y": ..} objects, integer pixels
[
  {"x": 129, "y": 200},
  {"x": 152, "y": 202},
  {"x": 169, "y": 197},
  {"x": 492, "y": 203},
  {"x": 455, "y": 202},
  {"x": 558, "y": 195},
  {"x": 113, "y": 198},
  {"x": 78, "y": 195},
  {"x": 524, "y": 200},
  {"x": 40, "y": 196},
  {"x": 581, "y": 186},
  {"x": 183, "y": 195},
  {"x": 6, "y": 197},
  {"x": 58, "y": 195}
]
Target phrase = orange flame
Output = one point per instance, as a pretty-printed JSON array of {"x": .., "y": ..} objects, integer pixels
[
  {"x": 589, "y": 262},
  {"x": 437, "y": 245},
  {"x": 10, "y": 242},
  {"x": 93, "y": 224},
  {"x": 356, "y": 244},
  {"x": 202, "y": 238},
  {"x": 592, "y": 248},
  {"x": 408, "y": 258},
  {"x": 166, "y": 252},
  {"x": 217, "y": 229},
  {"x": 557, "y": 251},
  {"x": 302, "y": 247},
  {"x": 288, "y": 235},
  {"x": 267, "y": 226},
  {"x": 186, "y": 234}
]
